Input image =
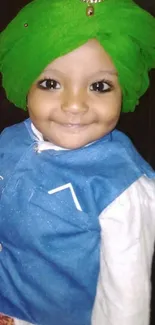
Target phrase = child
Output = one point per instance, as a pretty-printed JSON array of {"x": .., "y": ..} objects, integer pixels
[{"x": 77, "y": 208}]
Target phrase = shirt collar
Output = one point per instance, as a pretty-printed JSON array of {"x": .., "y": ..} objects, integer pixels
[{"x": 43, "y": 144}]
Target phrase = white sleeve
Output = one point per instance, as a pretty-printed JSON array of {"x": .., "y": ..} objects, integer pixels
[{"x": 127, "y": 244}]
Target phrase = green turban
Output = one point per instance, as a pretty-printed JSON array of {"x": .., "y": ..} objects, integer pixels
[{"x": 47, "y": 29}]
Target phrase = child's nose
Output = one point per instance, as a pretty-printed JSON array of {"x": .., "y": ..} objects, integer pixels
[{"x": 75, "y": 104}]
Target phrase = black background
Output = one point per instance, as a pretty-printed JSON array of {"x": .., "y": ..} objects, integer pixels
[{"x": 140, "y": 125}]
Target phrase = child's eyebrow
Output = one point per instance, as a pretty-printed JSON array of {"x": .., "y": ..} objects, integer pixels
[
  {"x": 96, "y": 74},
  {"x": 111, "y": 72},
  {"x": 100, "y": 71},
  {"x": 50, "y": 70}
]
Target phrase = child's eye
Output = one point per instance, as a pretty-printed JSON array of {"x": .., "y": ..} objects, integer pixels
[
  {"x": 101, "y": 86},
  {"x": 49, "y": 84}
]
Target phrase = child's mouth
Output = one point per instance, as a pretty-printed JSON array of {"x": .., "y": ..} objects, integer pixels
[{"x": 74, "y": 127}]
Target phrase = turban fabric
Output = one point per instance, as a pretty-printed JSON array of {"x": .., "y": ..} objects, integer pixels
[{"x": 46, "y": 29}]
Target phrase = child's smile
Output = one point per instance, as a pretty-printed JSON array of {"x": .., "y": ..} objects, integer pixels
[
  {"x": 77, "y": 98},
  {"x": 74, "y": 127}
]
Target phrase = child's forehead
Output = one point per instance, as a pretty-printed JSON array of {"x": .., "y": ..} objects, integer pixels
[{"x": 90, "y": 55}]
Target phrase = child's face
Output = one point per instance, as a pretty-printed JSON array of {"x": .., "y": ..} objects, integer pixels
[{"x": 77, "y": 98}]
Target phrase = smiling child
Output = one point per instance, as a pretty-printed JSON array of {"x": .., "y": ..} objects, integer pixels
[{"x": 77, "y": 201}]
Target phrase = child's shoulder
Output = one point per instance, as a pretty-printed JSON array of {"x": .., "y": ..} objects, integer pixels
[
  {"x": 15, "y": 135},
  {"x": 131, "y": 154},
  {"x": 123, "y": 143},
  {"x": 122, "y": 139},
  {"x": 125, "y": 157},
  {"x": 14, "y": 140}
]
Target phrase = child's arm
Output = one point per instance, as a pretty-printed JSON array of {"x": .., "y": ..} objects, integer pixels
[{"x": 128, "y": 232}]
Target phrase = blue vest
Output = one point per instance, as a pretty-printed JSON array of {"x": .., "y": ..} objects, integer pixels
[{"x": 49, "y": 227}]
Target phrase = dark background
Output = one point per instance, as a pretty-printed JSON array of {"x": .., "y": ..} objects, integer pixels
[{"x": 140, "y": 125}]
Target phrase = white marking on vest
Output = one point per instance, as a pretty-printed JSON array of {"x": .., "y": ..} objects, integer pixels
[
  {"x": 64, "y": 187},
  {"x": 1, "y": 177}
]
